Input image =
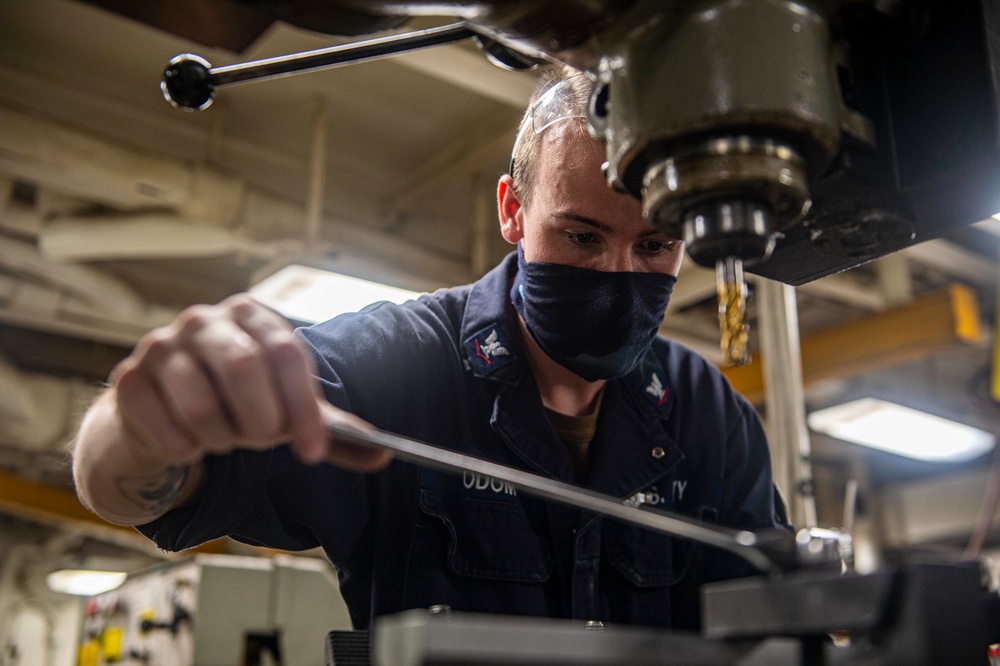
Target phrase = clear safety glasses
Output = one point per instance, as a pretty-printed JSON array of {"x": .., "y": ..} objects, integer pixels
[{"x": 556, "y": 104}]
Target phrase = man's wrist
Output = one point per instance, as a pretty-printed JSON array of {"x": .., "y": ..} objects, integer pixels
[
  {"x": 146, "y": 451},
  {"x": 124, "y": 477},
  {"x": 154, "y": 493}
]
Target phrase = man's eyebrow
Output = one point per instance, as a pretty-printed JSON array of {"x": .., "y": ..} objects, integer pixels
[{"x": 583, "y": 219}]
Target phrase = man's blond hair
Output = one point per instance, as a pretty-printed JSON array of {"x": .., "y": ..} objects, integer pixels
[{"x": 525, "y": 158}]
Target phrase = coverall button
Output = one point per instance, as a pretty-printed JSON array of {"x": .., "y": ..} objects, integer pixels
[{"x": 658, "y": 452}]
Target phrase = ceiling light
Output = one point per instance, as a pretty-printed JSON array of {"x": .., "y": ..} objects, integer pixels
[
  {"x": 990, "y": 225},
  {"x": 84, "y": 582},
  {"x": 906, "y": 432},
  {"x": 310, "y": 295}
]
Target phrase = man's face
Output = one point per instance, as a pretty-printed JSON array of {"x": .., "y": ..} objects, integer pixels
[{"x": 575, "y": 219}]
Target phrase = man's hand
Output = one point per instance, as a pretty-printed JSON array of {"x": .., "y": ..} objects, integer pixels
[
  {"x": 229, "y": 376},
  {"x": 218, "y": 378}
]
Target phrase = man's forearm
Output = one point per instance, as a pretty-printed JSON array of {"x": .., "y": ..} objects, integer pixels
[{"x": 122, "y": 479}]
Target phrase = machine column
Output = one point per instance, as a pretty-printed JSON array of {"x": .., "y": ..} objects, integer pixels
[{"x": 785, "y": 421}]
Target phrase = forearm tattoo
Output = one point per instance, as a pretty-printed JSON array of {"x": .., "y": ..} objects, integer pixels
[{"x": 154, "y": 492}]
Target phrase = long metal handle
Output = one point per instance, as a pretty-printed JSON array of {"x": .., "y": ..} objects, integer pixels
[
  {"x": 189, "y": 81},
  {"x": 740, "y": 542},
  {"x": 339, "y": 55}
]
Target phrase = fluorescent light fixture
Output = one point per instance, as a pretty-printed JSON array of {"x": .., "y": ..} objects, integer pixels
[
  {"x": 990, "y": 225},
  {"x": 84, "y": 582},
  {"x": 906, "y": 432},
  {"x": 311, "y": 295}
]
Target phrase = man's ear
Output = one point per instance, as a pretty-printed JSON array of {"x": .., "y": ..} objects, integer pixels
[{"x": 510, "y": 210}]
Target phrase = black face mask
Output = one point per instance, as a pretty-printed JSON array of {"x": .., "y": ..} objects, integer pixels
[{"x": 594, "y": 323}]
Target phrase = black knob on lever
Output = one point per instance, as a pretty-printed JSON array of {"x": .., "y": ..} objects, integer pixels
[{"x": 187, "y": 82}]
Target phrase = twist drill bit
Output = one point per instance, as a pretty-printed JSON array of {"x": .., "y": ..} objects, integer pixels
[{"x": 732, "y": 290}]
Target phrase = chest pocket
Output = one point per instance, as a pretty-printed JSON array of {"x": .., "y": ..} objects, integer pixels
[
  {"x": 488, "y": 539},
  {"x": 651, "y": 559}
]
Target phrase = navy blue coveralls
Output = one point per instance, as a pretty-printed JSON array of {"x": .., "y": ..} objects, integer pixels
[{"x": 448, "y": 369}]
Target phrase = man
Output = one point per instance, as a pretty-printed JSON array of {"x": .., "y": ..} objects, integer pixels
[{"x": 548, "y": 363}]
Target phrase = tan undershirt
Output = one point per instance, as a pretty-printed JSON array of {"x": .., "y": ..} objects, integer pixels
[{"x": 576, "y": 434}]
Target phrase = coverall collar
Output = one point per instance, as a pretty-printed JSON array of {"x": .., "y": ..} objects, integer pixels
[{"x": 489, "y": 332}]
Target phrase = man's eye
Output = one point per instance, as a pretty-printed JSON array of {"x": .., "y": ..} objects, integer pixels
[
  {"x": 656, "y": 246},
  {"x": 582, "y": 238}
]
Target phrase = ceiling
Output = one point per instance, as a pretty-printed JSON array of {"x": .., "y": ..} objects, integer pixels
[{"x": 117, "y": 210}]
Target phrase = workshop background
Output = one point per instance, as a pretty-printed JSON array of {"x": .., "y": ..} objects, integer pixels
[{"x": 117, "y": 211}]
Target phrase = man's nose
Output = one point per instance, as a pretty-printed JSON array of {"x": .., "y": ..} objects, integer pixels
[{"x": 619, "y": 261}]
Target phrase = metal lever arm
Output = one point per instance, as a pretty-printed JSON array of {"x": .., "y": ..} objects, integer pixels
[
  {"x": 189, "y": 82},
  {"x": 740, "y": 542}
]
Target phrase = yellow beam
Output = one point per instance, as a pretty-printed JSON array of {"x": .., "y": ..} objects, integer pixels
[
  {"x": 938, "y": 320},
  {"x": 47, "y": 504}
]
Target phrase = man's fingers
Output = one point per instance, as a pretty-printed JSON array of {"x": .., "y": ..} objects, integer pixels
[
  {"x": 356, "y": 457},
  {"x": 292, "y": 371},
  {"x": 301, "y": 405},
  {"x": 243, "y": 379},
  {"x": 192, "y": 400},
  {"x": 144, "y": 414}
]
